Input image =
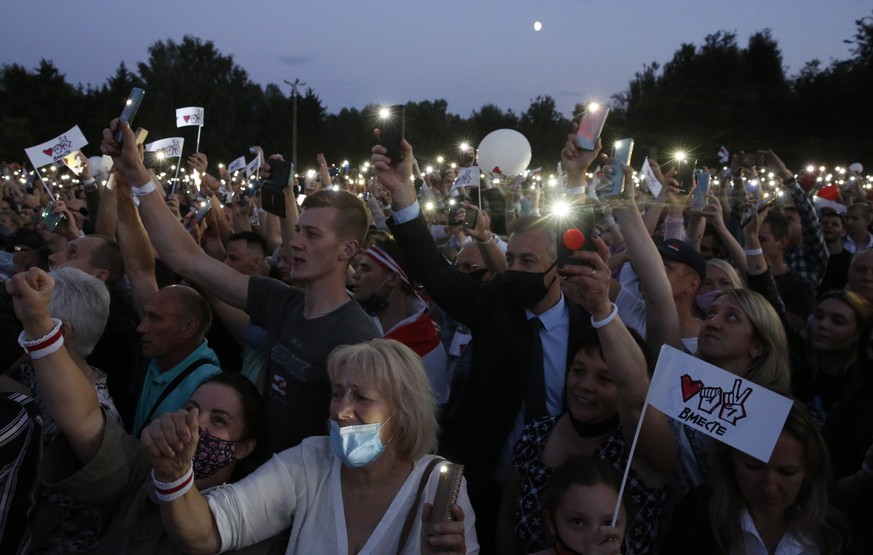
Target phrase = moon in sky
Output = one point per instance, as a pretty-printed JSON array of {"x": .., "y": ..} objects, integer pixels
[{"x": 537, "y": 26}]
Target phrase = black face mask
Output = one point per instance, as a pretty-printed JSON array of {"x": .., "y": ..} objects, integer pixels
[
  {"x": 478, "y": 275},
  {"x": 525, "y": 289},
  {"x": 594, "y": 429},
  {"x": 374, "y": 305}
]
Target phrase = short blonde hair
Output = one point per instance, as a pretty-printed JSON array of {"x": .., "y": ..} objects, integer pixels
[{"x": 396, "y": 372}]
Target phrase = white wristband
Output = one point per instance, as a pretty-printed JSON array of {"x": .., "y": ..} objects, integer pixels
[
  {"x": 754, "y": 252},
  {"x": 144, "y": 190},
  {"x": 601, "y": 323}
]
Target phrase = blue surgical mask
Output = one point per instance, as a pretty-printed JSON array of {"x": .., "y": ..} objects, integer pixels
[{"x": 357, "y": 445}]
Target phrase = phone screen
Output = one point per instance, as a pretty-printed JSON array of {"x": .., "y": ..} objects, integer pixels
[
  {"x": 701, "y": 190},
  {"x": 622, "y": 151},
  {"x": 129, "y": 111},
  {"x": 393, "y": 126},
  {"x": 591, "y": 126}
]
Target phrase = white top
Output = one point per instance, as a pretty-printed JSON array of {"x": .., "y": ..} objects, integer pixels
[
  {"x": 752, "y": 543},
  {"x": 300, "y": 487}
]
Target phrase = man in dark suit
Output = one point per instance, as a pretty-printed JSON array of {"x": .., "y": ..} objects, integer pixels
[{"x": 518, "y": 371}]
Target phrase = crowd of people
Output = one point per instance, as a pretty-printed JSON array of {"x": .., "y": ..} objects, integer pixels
[{"x": 203, "y": 374}]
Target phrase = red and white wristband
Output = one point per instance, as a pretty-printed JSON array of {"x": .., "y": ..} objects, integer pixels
[
  {"x": 170, "y": 491},
  {"x": 45, "y": 345}
]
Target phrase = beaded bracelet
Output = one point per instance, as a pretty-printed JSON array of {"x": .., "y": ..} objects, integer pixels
[{"x": 169, "y": 491}]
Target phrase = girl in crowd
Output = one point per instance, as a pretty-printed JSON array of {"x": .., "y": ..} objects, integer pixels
[
  {"x": 778, "y": 507},
  {"x": 578, "y": 504},
  {"x": 605, "y": 390}
]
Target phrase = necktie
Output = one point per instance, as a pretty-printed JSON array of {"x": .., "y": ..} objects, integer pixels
[{"x": 535, "y": 392}]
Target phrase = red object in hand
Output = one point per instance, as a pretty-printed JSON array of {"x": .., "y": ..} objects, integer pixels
[{"x": 573, "y": 239}]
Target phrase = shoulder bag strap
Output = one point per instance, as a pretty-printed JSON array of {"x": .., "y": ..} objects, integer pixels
[
  {"x": 174, "y": 384},
  {"x": 410, "y": 517}
]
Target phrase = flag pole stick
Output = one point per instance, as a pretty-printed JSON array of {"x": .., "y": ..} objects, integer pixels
[
  {"x": 176, "y": 178},
  {"x": 630, "y": 457},
  {"x": 197, "y": 148},
  {"x": 45, "y": 185}
]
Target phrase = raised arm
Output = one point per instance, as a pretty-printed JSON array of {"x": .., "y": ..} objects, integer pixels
[
  {"x": 493, "y": 257},
  {"x": 136, "y": 250},
  {"x": 715, "y": 216},
  {"x": 69, "y": 396},
  {"x": 626, "y": 362},
  {"x": 662, "y": 318},
  {"x": 174, "y": 245},
  {"x": 170, "y": 443}
]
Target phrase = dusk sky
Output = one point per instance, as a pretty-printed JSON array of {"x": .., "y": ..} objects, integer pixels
[{"x": 354, "y": 53}]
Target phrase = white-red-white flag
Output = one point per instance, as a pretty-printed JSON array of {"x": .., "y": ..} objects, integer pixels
[{"x": 192, "y": 115}]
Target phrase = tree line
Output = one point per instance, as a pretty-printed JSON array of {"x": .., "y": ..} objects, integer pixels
[{"x": 707, "y": 95}]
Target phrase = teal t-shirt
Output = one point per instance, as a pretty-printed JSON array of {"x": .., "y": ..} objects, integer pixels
[{"x": 156, "y": 381}]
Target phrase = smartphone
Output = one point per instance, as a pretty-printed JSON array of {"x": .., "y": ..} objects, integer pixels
[
  {"x": 280, "y": 173},
  {"x": 129, "y": 111},
  {"x": 454, "y": 208},
  {"x": 701, "y": 190},
  {"x": 151, "y": 160},
  {"x": 393, "y": 127},
  {"x": 250, "y": 190},
  {"x": 51, "y": 220},
  {"x": 591, "y": 126},
  {"x": 621, "y": 154},
  {"x": 760, "y": 206},
  {"x": 752, "y": 159},
  {"x": 141, "y": 134},
  {"x": 448, "y": 489},
  {"x": 204, "y": 209},
  {"x": 575, "y": 234},
  {"x": 684, "y": 174}
]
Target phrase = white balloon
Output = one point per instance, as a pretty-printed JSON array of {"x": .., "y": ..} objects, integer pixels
[
  {"x": 505, "y": 151},
  {"x": 856, "y": 167}
]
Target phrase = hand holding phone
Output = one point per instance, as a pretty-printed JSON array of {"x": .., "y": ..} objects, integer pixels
[
  {"x": 392, "y": 126},
  {"x": 448, "y": 489},
  {"x": 591, "y": 126},
  {"x": 128, "y": 113}
]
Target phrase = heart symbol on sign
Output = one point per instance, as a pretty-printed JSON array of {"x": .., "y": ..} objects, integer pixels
[
  {"x": 186, "y": 118},
  {"x": 690, "y": 387},
  {"x": 48, "y": 151}
]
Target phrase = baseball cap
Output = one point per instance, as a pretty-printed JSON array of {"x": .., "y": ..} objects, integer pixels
[{"x": 684, "y": 252}]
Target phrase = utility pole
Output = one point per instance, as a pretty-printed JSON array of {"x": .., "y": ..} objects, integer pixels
[{"x": 294, "y": 93}]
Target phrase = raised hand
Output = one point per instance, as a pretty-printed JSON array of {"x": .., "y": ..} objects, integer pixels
[
  {"x": 31, "y": 292},
  {"x": 592, "y": 279},
  {"x": 170, "y": 441},
  {"x": 397, "y": 176}
]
